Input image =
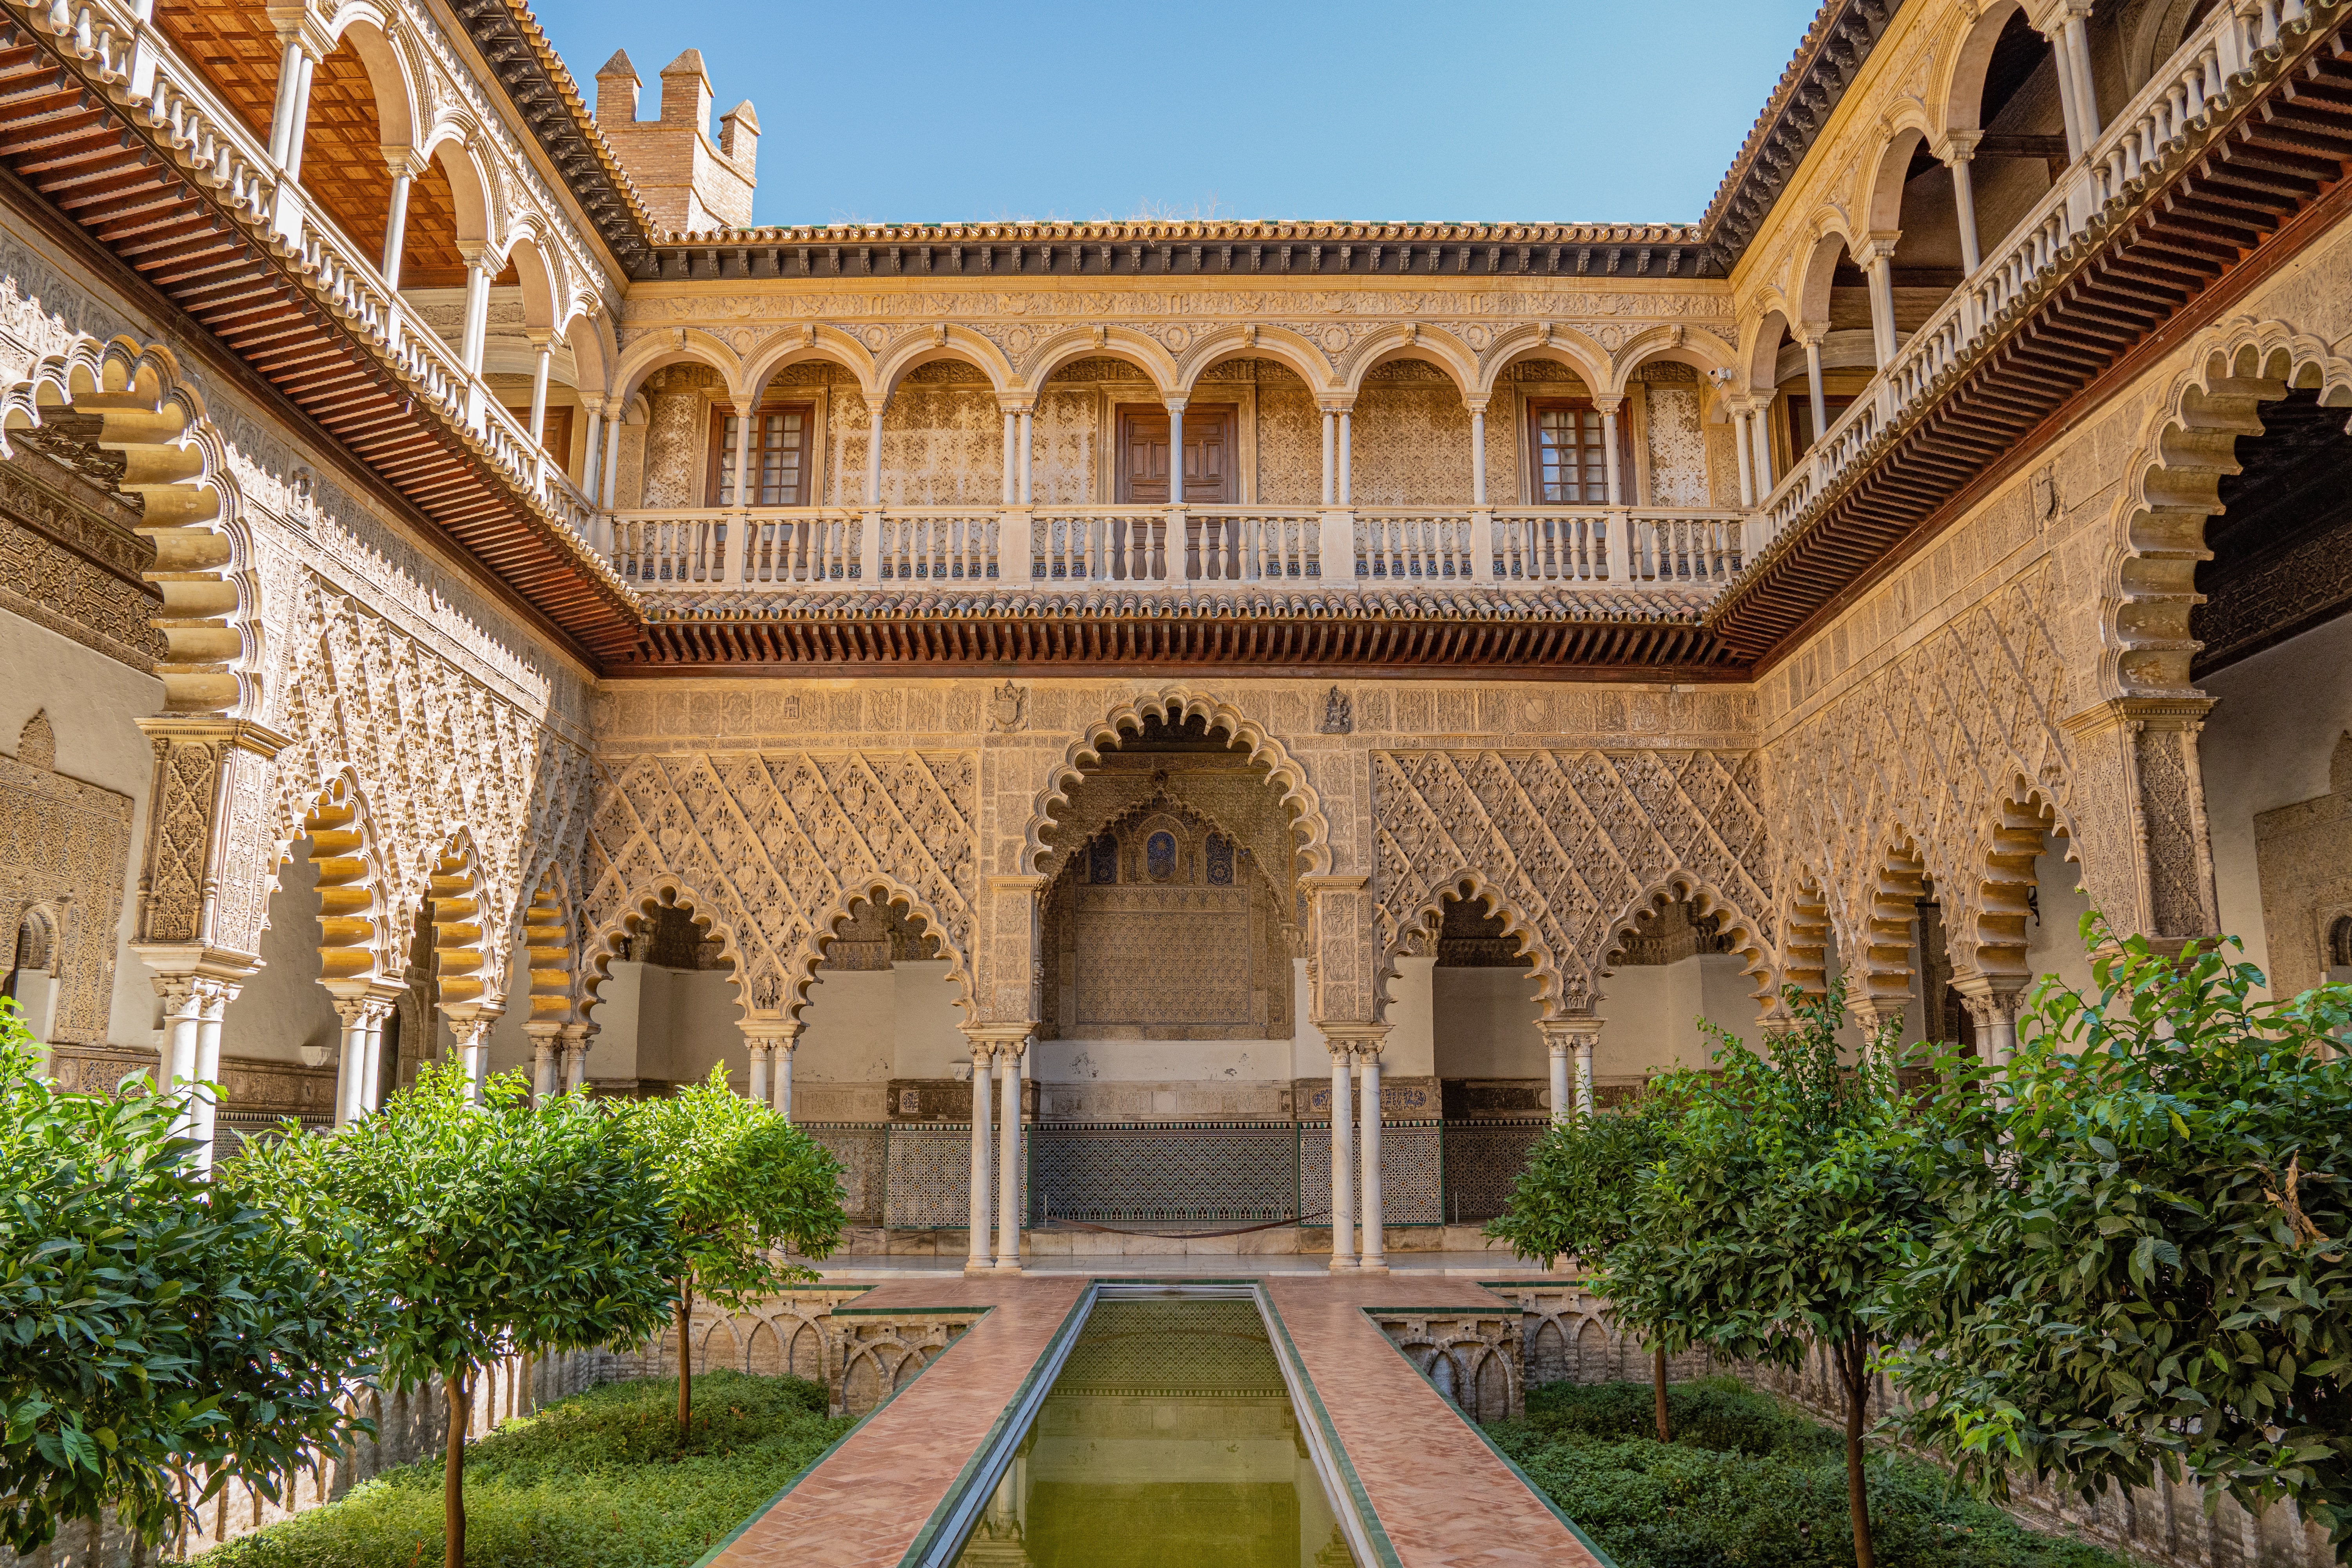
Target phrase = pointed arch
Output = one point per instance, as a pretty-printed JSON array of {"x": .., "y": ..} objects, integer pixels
[
  {"x": 1558, "y": 995},
  {"x": 176, "y": 463},
  {"x": 2172, "y": 486},
  {"x": 1309, "y": 829},
  {"x": 882, "y": 891},
  {"x": 1125, "y": 345}
]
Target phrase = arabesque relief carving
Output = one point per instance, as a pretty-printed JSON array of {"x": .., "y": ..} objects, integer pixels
[{"x": 68, "y": 848}]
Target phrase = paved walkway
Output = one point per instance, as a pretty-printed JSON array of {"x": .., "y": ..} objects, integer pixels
[{"x": 1441, "y": 1494}]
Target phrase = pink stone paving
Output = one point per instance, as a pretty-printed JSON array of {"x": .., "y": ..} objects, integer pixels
[{"x": 1441, "y": 1494}]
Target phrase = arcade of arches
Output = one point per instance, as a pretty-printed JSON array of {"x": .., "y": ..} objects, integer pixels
[{"x": 1149, "y": 724}]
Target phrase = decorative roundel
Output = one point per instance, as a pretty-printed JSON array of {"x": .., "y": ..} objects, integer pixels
[
  {"x": 1335, "y": 339},
  {"x": 876, "y": 337},
  {"x": 1176, "y": 338},
  {"x": 1016, "y": 342},
  {"x": 1478, "y": 338}
]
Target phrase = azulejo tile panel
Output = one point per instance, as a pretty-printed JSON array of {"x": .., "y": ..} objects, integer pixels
[
  {"x": 927, "y": 1183},
  {"x": 1167, "y": 1171},
  {"x": 1411, "y": 1172},
  {"x": 1483, "y": 1162}
]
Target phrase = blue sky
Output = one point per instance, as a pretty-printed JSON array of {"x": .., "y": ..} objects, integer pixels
[{"x": 1592, "y": 111}]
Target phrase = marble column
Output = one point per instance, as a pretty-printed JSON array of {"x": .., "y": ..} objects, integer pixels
[
  {"x": 183, "y": 1017},
  {"x": 615, "y": 415},
  {"x": 205, "y": 1095},
  {"x": 1347, "y": 463},
  {"x": 984, "y": 1056},
  {"x": 874, "y": 407},
  {"x": 1557, "y": 1046},
  {"x": 1330, "y": 456},
  {"x": 406, "y": 166},
  {"x": 575, "y": 1057},
  {"x": 1008, "y": 1183},
  {"x": 1477, "y": 455},
  {"x": 1343, "y": 1159},
  {"x": 1748, "y": 495},
  {"x": 472, "y": 1033},
  {"x": 1367, "y": 1061},
  {"x": 780, "y": 1074},
  {"x": 351, "y": 1058},
  {"x": 1811, "y": 338},
  {"x": 546, "y": 1054},
  {"x": 477, "y": 309},
  {"x": 1175, "y": 459},
  {"x": 1959, "y": 151},
  {"x": 757, "y": 1090},
  {"x": 1609, "y": 406}
]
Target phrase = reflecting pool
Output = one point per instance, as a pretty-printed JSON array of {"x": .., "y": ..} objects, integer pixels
[{"x": 1168, "y": 1441}]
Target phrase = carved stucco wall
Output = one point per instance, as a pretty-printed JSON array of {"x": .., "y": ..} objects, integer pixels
[{"x": 64, "y": 847}]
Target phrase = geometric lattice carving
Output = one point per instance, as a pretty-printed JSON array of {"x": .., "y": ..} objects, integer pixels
[
  {"x": 1569, "y": 845},
  {"x": 772, "y": 848}
]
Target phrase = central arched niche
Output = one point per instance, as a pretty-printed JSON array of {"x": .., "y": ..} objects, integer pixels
[{"x": 1170, "y": 936}]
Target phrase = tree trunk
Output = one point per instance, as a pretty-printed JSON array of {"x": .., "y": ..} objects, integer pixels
[
  {"x": 1852, "y": 1363},
  {"x": 685, "y": 1362},
  {"x": 1658, "y": 1387},
  {"x": 460, "y": 1393}
]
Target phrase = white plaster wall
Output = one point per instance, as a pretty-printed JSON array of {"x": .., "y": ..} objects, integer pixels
[
  {"x": 1652, "y": 1014},
  {"x": 2275, "y": 723},
  {"x": 928, "y": 1043},
  {"x": 282, "y": 1007},
  {"x": 613, "y": 1048},
  {"x": 1483, "y": 1024},
  {"x": 2053, "y": 945},
  {"x": 849, "y": 1026},
  {"x": 704, "y": 1028},
  {"x": 91, "y": 703},
  {"x": 1408, "y": 1051}
]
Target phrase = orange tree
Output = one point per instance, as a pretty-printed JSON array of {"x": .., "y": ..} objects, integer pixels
[
  {"x": 2141, "y": 1260},
  {"x": 742, "y": 1186}
]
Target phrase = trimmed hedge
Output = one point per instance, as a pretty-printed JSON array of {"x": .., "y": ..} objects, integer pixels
[
  {"x": 1749, "y": 1480},
  {"x": 599, "y": 1479}
]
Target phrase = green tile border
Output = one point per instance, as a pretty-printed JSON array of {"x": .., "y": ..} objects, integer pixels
[
  {"x": 1534, "y": 1490},
  {"x": 1358, "y": 1499},
  {"x": 761, "y": 1512},
  {"x": 1055, "y": 1349}
]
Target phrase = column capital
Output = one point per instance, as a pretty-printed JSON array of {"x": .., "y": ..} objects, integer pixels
[
  {"x": 2052, "y": 15},
  {"x": 297, "y": 25},
  {"x": 1608, "y": 402},
  {"x": 1877, "y": 245},
  {"x": 1562, "y": 1033},
  {"x": 876, "y": 402},
  {"x": 1957, "y": 146},
  {"x": 1808, "y": 334},
  {"x": 477, "y": 253},
  {"x": 1174, "y": 405},
  {"x": 1992, "y": 998},
  {"x": 1335, "y": 405},
  {"x": 1014, "y": 404},
  {"x": 1475, "y": 404},
  {"x": 784, "y": 1032},
  {"x": 541, "y": 338},
  {"x": 545, "y": 1030},
  {"x": 998, "y": 1036},
  {"x": 404, "y": 162},
  {"x": 1362, "y": 1038}
]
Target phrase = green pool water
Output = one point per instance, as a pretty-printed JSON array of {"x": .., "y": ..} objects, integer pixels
[{"x": 1167, "y": 1441}]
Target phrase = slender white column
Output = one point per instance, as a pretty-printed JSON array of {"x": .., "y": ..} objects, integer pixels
[
  {"x": 2077, "y": 144},
  {"x": 2087, "y": 88},
  {"x": 1880, "y": 269},
  {"x": 781, "y": 1073},
  {"x": 874, "y": 406},
  {"x": 1012, "y": 428},
  {"x": 183, "y": 1015},
  {"x": 1176, "y": 457},
  {"x": 546, "y": 1060},
  {"x": 575, "y": 1057},
  {"x": 302, "y": 120},
  {"x": 1477, "y": 454},
  {"x": 758, "y": 1093},
  {"x": 1347, "y": 460},
  {"x": 592, "y": 456},
  {"x": 477, "y": 310},
  {"x": 1609, "y": 451},
  {"x": 1958, "y": 155},
  {"x": 1748, "y": 497},
  {"x": 1374, "y": 1258},
  {"x": 291, "y": 105},
  {"x": 352, "y": 1051},
  {"x": 1557, "y": 1047},
  {"x": 746, "y": 490},
  {"x": 612, "y": 487},
  {"x": 1813, "y": 342},
  {"x": 1331, "y": 460},
  {"x": 1027, "y": 444},
  {"x": 1343, "y": 1159},
  {"x": 473, "y": 1038},
  {"x": 395, "y": 224},
  {"x": 205, "y": 1101},
  {"x": 542, "y": 354},
  {"x": 1584, "y": 1093},
  {"x": 371, "y": 1082},
  {"x": 1759, "y": 426},
  {"x": 983, "y": 1059},
  {"x": 1008, "y": 1185}
]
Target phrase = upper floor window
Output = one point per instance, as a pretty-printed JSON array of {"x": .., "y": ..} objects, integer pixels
[
  {"x": 1571, "y": 464},
  {"x": 779, "y": 455}
]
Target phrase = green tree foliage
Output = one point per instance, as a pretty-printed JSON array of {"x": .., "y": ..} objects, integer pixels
[
  {"x": 1576, "y": 1198},
  {"x": 161, "y": 1336},
  {"x": 497, "y": 1227},
  {"x": 741, "y": 1185},
  {"x": 1781, "y": 1199},
  {"x": 2141, "y": 1261}
]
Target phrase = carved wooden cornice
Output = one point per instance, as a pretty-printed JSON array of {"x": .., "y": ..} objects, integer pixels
[
  {"x": 538, "y": 84},
  {"x": 1827, "y": 60}
]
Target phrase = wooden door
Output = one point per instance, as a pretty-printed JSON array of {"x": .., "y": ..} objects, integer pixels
[{"x": 1209, "y": 461}]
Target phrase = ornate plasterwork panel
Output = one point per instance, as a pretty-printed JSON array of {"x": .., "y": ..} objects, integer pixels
[
  {"x": 1571, "y": 845},
  {"x": 1926, "y": 747},
  {"x": 433, "y": 751},
  {"x": 773, "y": 847},
  {"x": 65, "y": 848},
  {"x": 2303, "y": 853}
]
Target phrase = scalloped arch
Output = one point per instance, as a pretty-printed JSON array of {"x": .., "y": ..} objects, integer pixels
[
  {"x": 2010, "y": 837},
  {"x": 2156, "y": 530},
  {"x": 608, "y": 941},
  {"x": 1175, "y": 705},
  {"x": 1744, "y": 931},
  {"x": 877, "y": 888},
  {"x": 1552, "y": 988}
]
